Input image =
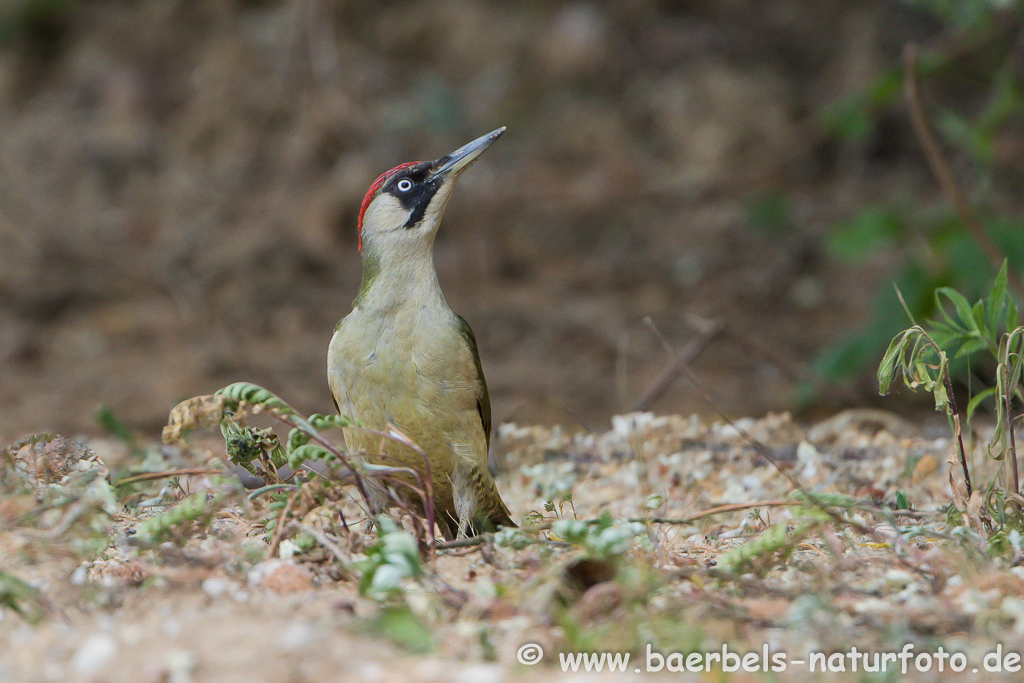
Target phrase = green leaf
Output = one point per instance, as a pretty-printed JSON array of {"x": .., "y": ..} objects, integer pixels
[
  {"x": 257, "y": 396},
  {"x": 976, "y": 400},
  {"x": 997, "y": 299},
  {"x": 1015, "y": 359},
  {"x": 971, "y": 346},
  {"x": 309, "y": 452},
  {"x": 405, "y": 629},
  {"x": 21, "y": 597},
  {"x": 887, "y": 367},
  {"x": 965, "y": 316},
  {"x": 978, "y": 315},
  {"x": 939, "y": 391}
]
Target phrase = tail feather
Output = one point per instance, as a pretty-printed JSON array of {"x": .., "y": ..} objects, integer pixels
[
  {"x": 501, "y": 517},
  {"x": 490, "y": 506}
]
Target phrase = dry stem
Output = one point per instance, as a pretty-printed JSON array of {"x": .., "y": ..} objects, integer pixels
[{"x": 943, "y": 175}]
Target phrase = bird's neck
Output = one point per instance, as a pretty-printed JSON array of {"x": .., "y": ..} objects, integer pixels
[{"x": 391, "y": 281}]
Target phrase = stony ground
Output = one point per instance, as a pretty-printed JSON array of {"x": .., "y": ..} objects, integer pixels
[
  {"x": 101, "y": 600},
  {"x": 180, "y": 184}
]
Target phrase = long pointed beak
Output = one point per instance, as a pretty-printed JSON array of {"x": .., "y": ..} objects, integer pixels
[{"x": 452, "y": 164}]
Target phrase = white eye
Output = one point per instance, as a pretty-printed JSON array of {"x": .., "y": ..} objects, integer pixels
[{"x": 404, "y": 185}]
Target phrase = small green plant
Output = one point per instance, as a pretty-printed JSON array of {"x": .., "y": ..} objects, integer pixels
[
  {"x": 391, "y": 562},
  {"x": 21, "y": 598},
  {"x": 556, "y": 492},
  {"x": 260, "y": 452},
  {"x": 922, "y": 356},
  {"x": 776, "y": 542},
  {"x": 195, "y": 509},
  {"x": 604, "y": 538},
  {"x": 772, "y": 546}
]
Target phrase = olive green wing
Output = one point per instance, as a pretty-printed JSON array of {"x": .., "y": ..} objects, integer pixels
[{"x": 483, "y": 399}]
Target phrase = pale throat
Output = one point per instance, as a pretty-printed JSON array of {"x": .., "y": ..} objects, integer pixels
[{"x": 399, "y": 275}]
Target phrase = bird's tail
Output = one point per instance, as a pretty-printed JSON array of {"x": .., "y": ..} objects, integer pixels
[
  {"x": 491, "y": 509},
  {"x": 501, "y": 517}
]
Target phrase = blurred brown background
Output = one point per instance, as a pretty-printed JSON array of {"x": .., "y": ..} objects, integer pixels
[{"x": 179, "y": 183}]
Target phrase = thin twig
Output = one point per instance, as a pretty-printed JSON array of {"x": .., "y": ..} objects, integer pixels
[
  {"x": 679, "y": 521},
  {"x": 253, "y": 495},
  {"x": 959, "y": 432},
  {"x": 948, "y": 383},
  {"x": 326, "y": 542},
  {"x": 1013, "y": 338},
  {"x": 944, "y": 176},
  {"x": 1007, "y": 407},
  {"x": 720, "y": 509},
  {"x": 295, "y": 420},
  {"x": 466, "y": 542},
  {"x": 678, "y": 360},
  {"x": 1013, "y": 443},
  {"x": 149, "y": 476},
  {"x": 427, "y": 481},
  {"x": 279, "y": 531}
]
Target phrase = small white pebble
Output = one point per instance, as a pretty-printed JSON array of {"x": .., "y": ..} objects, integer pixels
[
  {"x": 80, "y": 575},
  {"x": 215, "y": 586},
  {"x": 370, "y": 672},
  {"x": 295, "y": 636},
  {"x": 898, "y": 577},
  {"x": 808, "y": 455},
  {"x": 288, "y": 549},
  {"x": 872, "y": 606},
  {"x": 171, "y": 627},
  {"x": 1014, "y": 608},
  {"x": 180, "y": 665},
  {"x": 94, "y": 653},
  {"x": 258, "y": 574},
  {"x": 131, "y": 634},
  {"x": 480, "y": 673}
]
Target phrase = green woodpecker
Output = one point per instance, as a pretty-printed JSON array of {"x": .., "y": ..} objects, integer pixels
[{"x": 402, "y": 359}]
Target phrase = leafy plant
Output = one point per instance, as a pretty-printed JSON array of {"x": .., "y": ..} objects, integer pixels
[
  {"x": 922, "y": 357},
  {"x": 605, "y": 539},
  {"x": 390, "y": 563},
  {"x": 21, "y": 598},
  {"x": 195, "y": 508},
  {"x": 260, "y": 452}
]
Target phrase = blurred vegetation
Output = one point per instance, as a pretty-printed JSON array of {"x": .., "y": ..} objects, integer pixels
[
  {"x": 209, "y": 159},
  {"x": 973, "y": 83},
  {"x": 35, "y": 25},
  {"x": 921, "y": 356}
]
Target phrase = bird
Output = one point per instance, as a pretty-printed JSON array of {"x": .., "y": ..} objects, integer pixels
[{"x": 403, "y": 362}]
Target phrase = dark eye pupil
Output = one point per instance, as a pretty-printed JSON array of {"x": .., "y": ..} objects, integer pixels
[{"x": 404, "y": 185}]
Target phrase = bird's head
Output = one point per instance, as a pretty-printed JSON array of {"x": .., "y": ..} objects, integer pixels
[{"x": 403, "y": 207}]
